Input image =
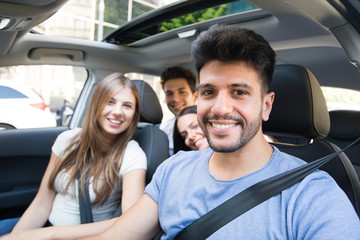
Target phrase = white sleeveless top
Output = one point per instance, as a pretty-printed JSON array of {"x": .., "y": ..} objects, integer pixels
[{"x": 65, "y": 209}]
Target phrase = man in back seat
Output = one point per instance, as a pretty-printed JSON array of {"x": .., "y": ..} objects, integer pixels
[
  {"x": 179, "y": 85},
  {"x": 235, "y": 68}
]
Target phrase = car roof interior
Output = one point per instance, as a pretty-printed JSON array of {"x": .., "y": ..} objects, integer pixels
[{"x": 300, "y": 33}]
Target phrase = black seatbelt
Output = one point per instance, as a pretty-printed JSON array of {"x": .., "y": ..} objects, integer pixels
[
  {"x": 84, "y": 203},
  {"x": 249, "y": 198}
]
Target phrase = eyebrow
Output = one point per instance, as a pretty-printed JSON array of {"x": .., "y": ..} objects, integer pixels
[
  {"x": 234, "y": 85},
  {"x": 189, "y": 125},
  {"x": 181, "y": 88}
]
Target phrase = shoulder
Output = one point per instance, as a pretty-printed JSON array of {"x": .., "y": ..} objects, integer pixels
[
  {"x": 168, "y": 124},
  {"x": 179, "y": 168},
  {"x": 283, "y": 161},
  {"x": 63, "y": 140},
  {"x": 184, "y": 161},
  {"x": 134, "y": 147},
  {"x": 134, "y": 158},
  {"x": 68, "y": 134},
  {"x": 319, "y": 205}
]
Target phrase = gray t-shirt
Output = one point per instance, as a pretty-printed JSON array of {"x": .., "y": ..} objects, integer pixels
[{"x": 315, "y": 208}]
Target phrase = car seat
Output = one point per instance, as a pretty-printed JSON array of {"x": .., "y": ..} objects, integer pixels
[
  {"x": 300, "y": 112},
  {"x": 344, "y": 129},
  {"x": 151, "y": 139}
]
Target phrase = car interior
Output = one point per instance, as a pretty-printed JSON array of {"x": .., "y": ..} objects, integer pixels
[
  {"x": 298, "y": 94},
  {"x": 317, "y": 44},
  {"x": 151, "y": 139},
  {"x": 344, "y": 129}
]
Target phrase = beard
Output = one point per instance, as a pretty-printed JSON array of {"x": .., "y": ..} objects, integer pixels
[{"x": 247, "y": 132}]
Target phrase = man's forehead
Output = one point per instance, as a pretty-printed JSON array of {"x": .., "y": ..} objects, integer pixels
[
  {"x": 176, "y": 83},
  {"x": 234, "y": 74}
]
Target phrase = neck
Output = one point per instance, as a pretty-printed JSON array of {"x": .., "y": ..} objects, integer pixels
[{"x": 251, "y": 157}]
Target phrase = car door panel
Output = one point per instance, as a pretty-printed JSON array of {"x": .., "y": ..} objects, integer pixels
[{"x": 24, "y": 155}]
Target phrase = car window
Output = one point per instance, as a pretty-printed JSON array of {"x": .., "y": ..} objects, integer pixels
[
  {"x": 341, "y": 98},
  {"x": 8, "y": 92},
  {"x": 39, "y": 96}
]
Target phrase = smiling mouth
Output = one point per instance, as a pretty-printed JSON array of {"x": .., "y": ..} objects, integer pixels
[
  {"x": 197, "y": 144},
  {"x": 222, "y": 126},
  {"x": 114, "y": 121}
]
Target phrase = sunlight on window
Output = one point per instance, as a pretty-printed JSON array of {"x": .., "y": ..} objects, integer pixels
[{"x": 339, "y": 98}]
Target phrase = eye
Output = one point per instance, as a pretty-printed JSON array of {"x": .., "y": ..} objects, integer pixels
[
  {"x": 239, "y": 92},
  {"x": 128, "y": 105},
  {"x": 207, "y": 92},
  {"x": 111, "y": 102},
  {"x": 168, "y": 94},
  {"x": 195, "y": 126},
  {"x": 183, "y": 135}
]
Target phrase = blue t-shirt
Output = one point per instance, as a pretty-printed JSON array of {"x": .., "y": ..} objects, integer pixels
[{"x": 315, "y": 208}]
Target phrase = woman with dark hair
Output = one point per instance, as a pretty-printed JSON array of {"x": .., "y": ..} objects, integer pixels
[
  {"x": 187, "y": 132},
  {"x": 102, "y": 152}
]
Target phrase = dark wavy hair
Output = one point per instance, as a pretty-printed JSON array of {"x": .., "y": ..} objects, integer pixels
[
  {"x": 230, "y": 43},
  {"x": 179, "y": 142},
  {"x": 179, "y": 72}
]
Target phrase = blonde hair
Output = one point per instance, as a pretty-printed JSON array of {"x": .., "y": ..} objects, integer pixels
[{"x": 91, "y": 151}]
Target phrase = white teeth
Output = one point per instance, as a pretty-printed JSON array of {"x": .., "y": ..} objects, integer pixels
[
  {"x": 222, "y": 126},
  {"x": 114, "y": 121}
]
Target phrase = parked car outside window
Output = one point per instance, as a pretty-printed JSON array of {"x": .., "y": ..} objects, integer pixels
[
  {"x": 39, "y": 96},
  {"x": 21, "y": 107}
]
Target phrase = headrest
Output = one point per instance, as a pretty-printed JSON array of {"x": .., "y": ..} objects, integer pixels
[
  {"x": 345, "y": 124},
  {"x": 151, "y": 111},
  {"x": 299, "y": 107}
]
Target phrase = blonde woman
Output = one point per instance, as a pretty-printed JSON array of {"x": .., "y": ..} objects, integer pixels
[{"x": 116, "y": 165}]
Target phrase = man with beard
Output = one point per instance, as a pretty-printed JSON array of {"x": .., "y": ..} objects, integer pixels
[{"x": 235, "y": 69}]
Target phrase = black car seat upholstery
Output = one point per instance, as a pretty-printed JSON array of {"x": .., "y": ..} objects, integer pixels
[
  {"x": 151, "y": 139},
  {"x": 300, "y": 112},
  {"x": 344, "y": 129}
]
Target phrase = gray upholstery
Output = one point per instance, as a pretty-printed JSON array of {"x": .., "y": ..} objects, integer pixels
[
  {"x": 298, "y": 94},
  {"x": 151, "y": 139},
  {"x": 344, "y": 129},
  {"x": 151, "y": 111},
  {"x": 300, "y": 110}
]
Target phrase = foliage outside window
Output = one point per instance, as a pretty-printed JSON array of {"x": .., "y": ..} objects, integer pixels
[{"x": 339, "y": 98}]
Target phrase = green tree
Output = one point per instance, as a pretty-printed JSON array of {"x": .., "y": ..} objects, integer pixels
[{"x": 191, "y": 18}]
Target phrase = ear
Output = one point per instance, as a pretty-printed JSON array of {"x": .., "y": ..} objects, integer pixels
[
  {"x": 267, "y": 105},
  {"x": 195, "y": 96}
]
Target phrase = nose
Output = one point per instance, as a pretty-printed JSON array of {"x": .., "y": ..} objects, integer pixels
[
  {"x": 222, "y": 104},
  {"x": 191, "y": 135},
  {"x": 175, "y": 97},
  {"x": 117, "y": 110}
]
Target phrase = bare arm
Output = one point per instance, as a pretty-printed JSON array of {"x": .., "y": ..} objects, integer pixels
[
  {"x": 133, "y": 185},
  {"x": 139, "y": 222},
  {"x": 38, "y": 212},
  {"x": 61, "y": 232}
]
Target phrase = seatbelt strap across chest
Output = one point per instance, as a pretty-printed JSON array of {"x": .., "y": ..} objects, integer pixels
[{"x": 249, "y": 198}]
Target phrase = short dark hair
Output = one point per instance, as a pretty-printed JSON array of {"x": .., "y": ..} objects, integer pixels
[
  {"x": 179, "y": 142},
  {"x": 230, "y": 43},
  {"x": 179, "y": 72}
]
